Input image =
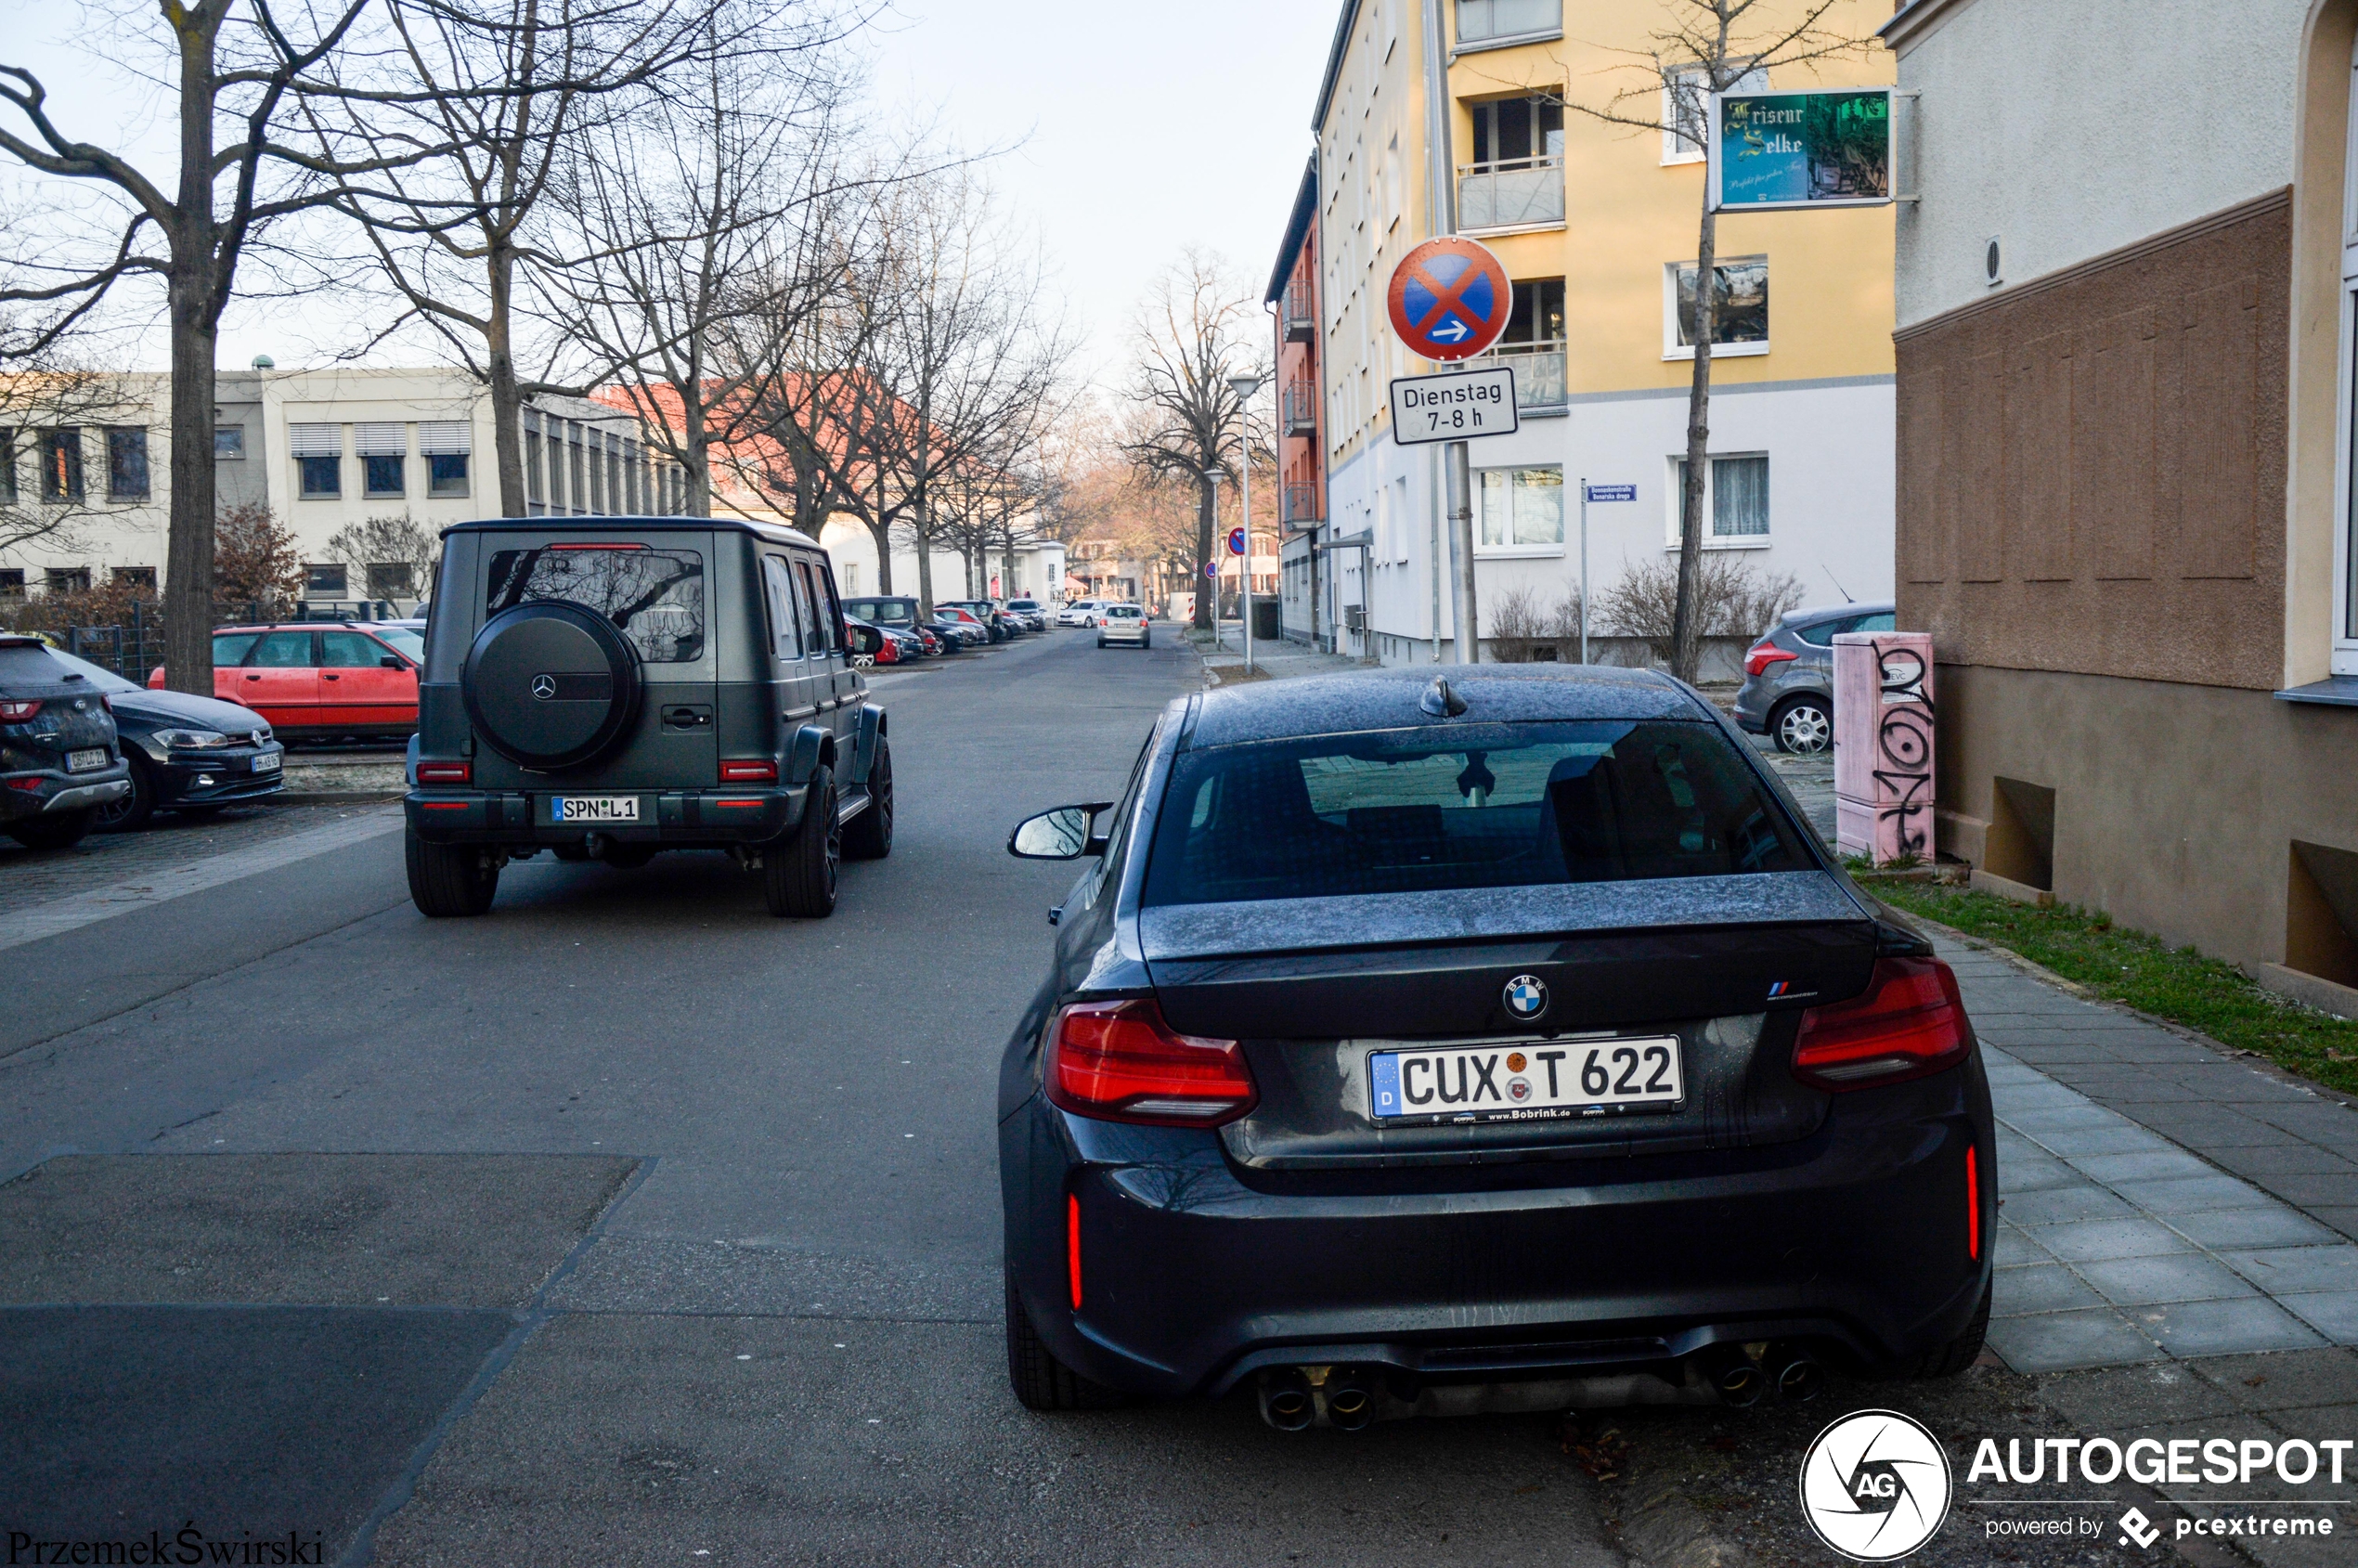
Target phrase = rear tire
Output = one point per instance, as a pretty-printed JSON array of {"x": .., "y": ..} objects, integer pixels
[
  {"x": 869, "y": 836},
  {"x": 133, "y": 810},
  {"x": 1041, "y": 1382},
  {"x": 798, "y": 873},
  {"x": 1804, "y": 726},
  {"x": 448, "y": 879},
  {"x": 60, "y": 830}
]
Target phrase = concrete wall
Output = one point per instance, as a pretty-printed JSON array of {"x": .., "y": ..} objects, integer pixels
[
  {"x": 2175, "y": 806},
  {"x": 2070, "y": 128}
]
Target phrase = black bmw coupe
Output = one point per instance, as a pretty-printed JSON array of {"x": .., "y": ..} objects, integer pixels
[{"x": 1484, "y": 1043}]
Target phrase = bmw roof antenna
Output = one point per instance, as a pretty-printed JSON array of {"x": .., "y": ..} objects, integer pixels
[{"x": 1440, "y": 700}]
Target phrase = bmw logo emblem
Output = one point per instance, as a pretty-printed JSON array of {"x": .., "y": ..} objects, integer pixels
[
  {"x": 1526, "y": 996},
  {"x": 544, "y": 686}
]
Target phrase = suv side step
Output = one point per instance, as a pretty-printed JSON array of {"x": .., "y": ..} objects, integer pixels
[{"x": 850, "y": 804}]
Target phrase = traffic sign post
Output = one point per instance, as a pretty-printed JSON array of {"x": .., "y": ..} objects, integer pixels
[
  {"x": 1449, "y": 300},
  {"x": 1454, "y": 406},
  {"x": 1594, "y": 493}
]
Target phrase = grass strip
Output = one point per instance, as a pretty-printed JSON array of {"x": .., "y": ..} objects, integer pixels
[{"x": 2121, "y": 964}]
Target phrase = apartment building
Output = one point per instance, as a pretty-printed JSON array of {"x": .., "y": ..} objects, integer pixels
[
  {"x": 2126, "y": 470},
  {"x": 323, "y": 449},
  {"x": 1313, "y": 606},
  {"x": 1596, "y": 226}
]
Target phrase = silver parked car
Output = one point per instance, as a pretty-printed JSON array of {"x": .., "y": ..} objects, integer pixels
[
  {"x": 1789, "y": 675},
  {"x": 1124, "y": 623}
]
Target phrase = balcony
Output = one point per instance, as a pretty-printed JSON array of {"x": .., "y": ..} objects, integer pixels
[
  {"x": 1517, "y": 193},
  {"x": 1540, "y": 370},
  {"x": 1486, "y": 22},
  {"x": 1301, "y": 313},
  {"x": 1300, "y": 408},
  {"x": 1302, "y": 505}
]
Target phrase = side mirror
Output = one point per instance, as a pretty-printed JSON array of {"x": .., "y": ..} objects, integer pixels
[
  {"x": 391, "y": 661},
  {"x": 1060, "y": 834},
  {"x": 867, "y": 639}
]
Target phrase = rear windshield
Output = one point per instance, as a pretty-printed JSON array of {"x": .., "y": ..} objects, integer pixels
[
  {"x": 883, "y": 612},
  {"x": 28, "y": 665},
  {"x": 653, "y": 597},
  {"x": 1124, "y": 612},
  {"x": 1489, "y": 806}
]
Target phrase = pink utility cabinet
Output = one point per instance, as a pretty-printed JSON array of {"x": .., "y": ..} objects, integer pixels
[{"x": 1882, "y": 744}]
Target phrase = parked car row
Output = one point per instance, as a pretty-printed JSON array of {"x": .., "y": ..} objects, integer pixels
[{"x": 954, "y": 626}]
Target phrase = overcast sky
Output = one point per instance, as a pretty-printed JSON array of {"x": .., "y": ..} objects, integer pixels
[{"x": 1143, "y": 129}]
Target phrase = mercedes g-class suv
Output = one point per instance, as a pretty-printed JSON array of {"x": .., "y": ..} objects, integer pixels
[{"x": 607, "y": 687}]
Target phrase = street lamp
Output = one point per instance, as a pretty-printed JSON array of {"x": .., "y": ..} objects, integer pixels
[{"x": 1244, "y": 386}]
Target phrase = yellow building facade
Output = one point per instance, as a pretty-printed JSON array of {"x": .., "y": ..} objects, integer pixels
[{"x": 1593, "y": 221}]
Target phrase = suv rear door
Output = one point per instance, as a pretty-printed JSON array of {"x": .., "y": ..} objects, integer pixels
[{"x": 799, "y": 695}]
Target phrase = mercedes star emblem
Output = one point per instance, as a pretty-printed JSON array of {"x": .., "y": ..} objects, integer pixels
[{"x": 544, "y": 686}]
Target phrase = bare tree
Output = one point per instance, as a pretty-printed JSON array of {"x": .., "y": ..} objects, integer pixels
[
  {"x": 398, "y": 541},
  {"x": 1724, "y": 596},
  {"x": 1197, "y": 327},
  {"x": 249, "y": 77},
  {"x": 515, "y": 92},
  {"x": 1706, "y": 47},
  {"x": 47, "y": 402}
]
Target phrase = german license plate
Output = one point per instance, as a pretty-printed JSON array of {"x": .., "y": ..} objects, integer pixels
[
  {"x": 266, "y": 762},
  {"x": 83, "y": 761},
  {"x": 1524, "y": 1079},
  {"x": 594, "y": 809}
]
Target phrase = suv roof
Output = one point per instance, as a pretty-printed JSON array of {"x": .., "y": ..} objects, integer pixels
[{"x": 774, "y": 533}]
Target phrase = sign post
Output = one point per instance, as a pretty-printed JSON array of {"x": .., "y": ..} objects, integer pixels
[
  {"x": 1594, "y": 493},
  {"x": 1449, "y": 301}
]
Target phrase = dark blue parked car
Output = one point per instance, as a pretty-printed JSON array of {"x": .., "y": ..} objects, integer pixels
[{"x": 1419, "y": 1046}]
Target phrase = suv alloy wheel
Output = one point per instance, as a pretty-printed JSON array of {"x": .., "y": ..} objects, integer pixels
[{"x": 798, "y": 873}]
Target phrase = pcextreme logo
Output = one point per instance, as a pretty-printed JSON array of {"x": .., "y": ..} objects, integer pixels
[{"x": 1875, "y": 1485}]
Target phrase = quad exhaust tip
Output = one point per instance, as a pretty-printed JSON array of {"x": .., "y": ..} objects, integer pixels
[
  {"x": 1296, "y": 1398},
  {"x": 1744, "y": 1375}
]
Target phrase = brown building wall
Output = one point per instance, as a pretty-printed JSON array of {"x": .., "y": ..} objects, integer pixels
[
  {"x": 2175, "y": 806},
  {"x": 2092, "y": 467}
]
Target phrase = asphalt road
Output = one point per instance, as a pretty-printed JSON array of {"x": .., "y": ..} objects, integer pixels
[{"x": 626, "y": 1224}]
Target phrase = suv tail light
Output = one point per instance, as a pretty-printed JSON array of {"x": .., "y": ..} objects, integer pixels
[
  {"x": 1118, "y": 1061},
  {"x": 748, "y": 771},
  {"x": 445, "y": 772},
  {"x": 1911, "y": 1022},
  {"x": 1763, "y": 654},
  {"x": 18, "y": 711}
]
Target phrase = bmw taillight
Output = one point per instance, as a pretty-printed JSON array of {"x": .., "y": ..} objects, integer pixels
[
  {"x": 445, "y": 772},
  {"x": 748, "y": 771},
  {"x": 16, "y": 711},
  {"x": 1910, "y": 1022},
  {"x": 1763, "y": 654},
  {"x": 1117, "y": 1061}
]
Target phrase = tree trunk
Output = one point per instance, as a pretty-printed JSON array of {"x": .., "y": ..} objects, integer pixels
[
  {"x": 1686, "y": 631},
  {"x": 1206, "y": 586},
  {"x": 192, "y": 290},
  {"x": 922, "y": 525},
  {"x": 882, "y": 534},
  {"x": 507, "y": 402}
]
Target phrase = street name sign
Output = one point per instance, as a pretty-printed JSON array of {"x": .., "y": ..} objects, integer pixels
[
  {"x": 1777, "y": 152},
  {"x": 1449, "y": 298},
  {"x": 1611, "y": 493},
  {"x": 1455, "y": 405}
]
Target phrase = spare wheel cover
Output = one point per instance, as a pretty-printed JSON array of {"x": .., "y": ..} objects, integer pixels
[{"x": 550, "y": 686}]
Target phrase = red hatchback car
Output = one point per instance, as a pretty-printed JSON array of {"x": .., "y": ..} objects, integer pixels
[{"x": 315, "y": 680}]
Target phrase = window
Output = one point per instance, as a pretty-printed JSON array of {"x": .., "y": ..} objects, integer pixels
[
  {"x": 380, "y": 449},
  {"x": 536, "y": 490},
  {"x": 784, "y": 622},
  {"x": 134, "y": 577},
  {"x": 62, "y": 465},
  {"x": 322, "y": 478},
  {"x": 1491, "y": 806},
  {"x": 323, "y": 580},
  {"x": 1479, "y": 21},
  {"x": 1735, "y": 500},
  {"x": 318, "y": 454},
  {"x": 229, "y": 443},
  {"x": 446, "y": 445},
  {"x": 7, "y": 467},
  {"x": 229, "y": 648},
  {"x": 1686, "y": 114},
  {"x": 653, "y": 597},
  {"x": 1515, "y": 130},
  {"x": 391, "y": 579},
  {"x": 11, "y": 583},
  {"x": 822, "y": 601},
  {"x": 1537, "y": 313},
  {"x": 66, "y": 579},
  {"x": 1522, "y": 509},
  {"x": 127, "y": 465},
  {"x": 281, "y": 650},
  {"x": 349, "y": 650},
  {"x": 1740, "y": 308}
]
